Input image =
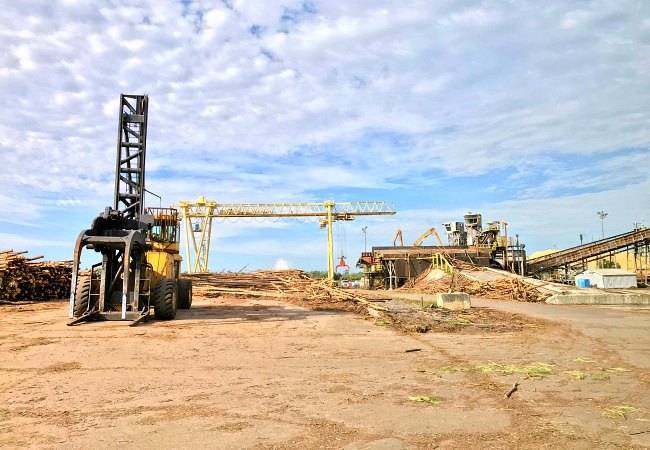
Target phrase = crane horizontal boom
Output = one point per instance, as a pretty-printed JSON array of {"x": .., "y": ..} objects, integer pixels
[{"x": 342, "y": 210}]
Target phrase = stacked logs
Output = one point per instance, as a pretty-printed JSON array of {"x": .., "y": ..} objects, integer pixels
[
  {"x": 289, "y": 285},
  {"x": 24, "y": 278}
]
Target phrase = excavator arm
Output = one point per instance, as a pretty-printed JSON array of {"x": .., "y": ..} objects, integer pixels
[
  {"x": 398, "y": 236},
  {"x": 426, "y": 234}
]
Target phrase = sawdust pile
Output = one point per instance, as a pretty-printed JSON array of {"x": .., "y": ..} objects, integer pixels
[
  {"x": 293, "y": 285},
  {"x": 24, "y": 278},
  {"x": 505, "y": 288}
]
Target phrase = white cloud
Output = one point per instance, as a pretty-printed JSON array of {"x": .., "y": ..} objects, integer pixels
[
  {"x": 282, "y": 264},
  {"x": 19, "y": 242},
  {"x": 291, "y": 100}
]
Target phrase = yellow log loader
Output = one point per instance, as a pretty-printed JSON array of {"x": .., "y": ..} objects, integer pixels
[{"x": 140, "y": 262}]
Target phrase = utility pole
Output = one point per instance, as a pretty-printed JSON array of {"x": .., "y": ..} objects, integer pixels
[
  {"x": 364, "y": 229},
  {"x": 602, "y": 215},
  {"x": 505, "y": 232}
]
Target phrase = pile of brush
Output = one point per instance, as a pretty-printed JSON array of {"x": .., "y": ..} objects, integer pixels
[
  {"x": 505, "y": 288},
  {"x": 291, "y": 285}
]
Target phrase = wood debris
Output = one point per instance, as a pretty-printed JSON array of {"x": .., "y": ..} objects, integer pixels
[
  {"x": 292, "y": 285},
  {"x": 505, "y": 288},
  {"x": 513, "y": 389},
  {"x": 23, "y": 278},
  {"x": 436, "y": 281}
]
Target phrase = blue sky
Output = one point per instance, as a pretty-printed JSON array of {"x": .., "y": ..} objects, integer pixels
[{"x": 531, "y": 112}]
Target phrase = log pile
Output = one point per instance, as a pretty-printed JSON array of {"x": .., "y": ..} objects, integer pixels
[
  {"x": 23, "y": 278},
  {"x": 505, "y": 288},
  {"x": 289, "y": 285}
]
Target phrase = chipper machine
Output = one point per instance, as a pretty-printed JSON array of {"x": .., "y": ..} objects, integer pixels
[{"x": 139, "y": 248}]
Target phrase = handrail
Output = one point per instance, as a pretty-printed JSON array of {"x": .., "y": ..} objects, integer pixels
[{"x": 438, "y": 261}]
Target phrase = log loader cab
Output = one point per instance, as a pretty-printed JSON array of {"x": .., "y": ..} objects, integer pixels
[{"x": 164, "y": 256}]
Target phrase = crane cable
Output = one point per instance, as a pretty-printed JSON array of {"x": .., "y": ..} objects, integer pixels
[{"x": 341, "y": 240}]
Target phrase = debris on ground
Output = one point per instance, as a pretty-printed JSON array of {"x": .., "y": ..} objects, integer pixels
[
  {"x": 503, "y": 288},
  {"x": 437, "y": 281},
  {"x": 23, "y": 278},
  {"x": 410, "y": 317},
  {"x": 294, "y": 286}
]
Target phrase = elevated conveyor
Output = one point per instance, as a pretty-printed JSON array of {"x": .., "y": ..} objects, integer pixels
[{"x": 589, "y": 251}]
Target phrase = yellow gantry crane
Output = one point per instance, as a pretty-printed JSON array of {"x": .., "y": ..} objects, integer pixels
[{"x": 197, "y": 218}]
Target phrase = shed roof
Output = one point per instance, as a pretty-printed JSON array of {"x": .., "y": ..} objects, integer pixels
[{"x": 610, "y": 272}]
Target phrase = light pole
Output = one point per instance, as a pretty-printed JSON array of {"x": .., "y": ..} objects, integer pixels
[
  {"x": 602, "y": 215},
  {"x": 364, "y": 229}
]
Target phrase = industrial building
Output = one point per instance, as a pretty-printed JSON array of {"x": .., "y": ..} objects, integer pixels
[
  {"x": 490, "y": 246},
  {"x": 468, "y": 241}
]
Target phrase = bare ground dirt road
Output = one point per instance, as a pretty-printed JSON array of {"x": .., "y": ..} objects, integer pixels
[{"x": 254, "y": 373}]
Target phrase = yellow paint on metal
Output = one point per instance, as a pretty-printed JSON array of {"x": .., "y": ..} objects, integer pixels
[
  {"x": 197, "y": 218},
  {"x": 426, "y": 234},
  {"x": 438, "y": 261}
]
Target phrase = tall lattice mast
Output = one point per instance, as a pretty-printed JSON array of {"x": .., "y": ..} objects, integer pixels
[{"x": 131, "y": 152}]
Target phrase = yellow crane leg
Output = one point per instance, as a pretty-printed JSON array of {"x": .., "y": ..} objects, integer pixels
[
  {"x": 188, "y": 230},
  {"x": 330, "y": 245}
]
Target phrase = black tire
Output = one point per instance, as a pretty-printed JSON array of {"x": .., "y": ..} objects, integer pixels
[
  {"x": 82, "y": 295},
  {"x": 164, "y": 299},
  {"x": 184, "y": 293}
]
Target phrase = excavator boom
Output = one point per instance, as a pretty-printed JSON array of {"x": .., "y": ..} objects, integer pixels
[
  {"x": 426, "y": 234},
  {"x": 398, "y": 236}
]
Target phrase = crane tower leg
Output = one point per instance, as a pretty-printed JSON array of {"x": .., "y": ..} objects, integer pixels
[{"x": 330, "y": 245}]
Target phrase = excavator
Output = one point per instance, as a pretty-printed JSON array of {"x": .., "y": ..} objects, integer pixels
[
  {"x": 139, "y": 248},
  {"x": 426, "y": 234}
]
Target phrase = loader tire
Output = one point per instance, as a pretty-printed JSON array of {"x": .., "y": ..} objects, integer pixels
[
  {"x": 82, "y": 295},
  {"x": 184, "y": 293},
  {"x": 164, "y": 299}
]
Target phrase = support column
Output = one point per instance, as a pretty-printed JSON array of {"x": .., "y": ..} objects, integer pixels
[{"x": 330, "y": 245}]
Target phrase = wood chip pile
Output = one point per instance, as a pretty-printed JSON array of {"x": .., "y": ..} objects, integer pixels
[
  {"x": 292, "y": 285},
  {"x": 23, "y": 278},
  {"x": 505, "y": 288}
]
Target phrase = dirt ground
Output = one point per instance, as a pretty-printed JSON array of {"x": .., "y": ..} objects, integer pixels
[{"x": 255, "y": 373}]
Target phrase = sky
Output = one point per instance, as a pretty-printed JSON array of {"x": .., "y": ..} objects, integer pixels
[{"x": 536, "y": 113}]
